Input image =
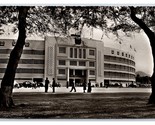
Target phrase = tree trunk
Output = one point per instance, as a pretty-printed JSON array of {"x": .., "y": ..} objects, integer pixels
[
  {"x": 9, "y": 76},
  {"x": 151, "y": 35},
  {"x": 152, "y": 96}
]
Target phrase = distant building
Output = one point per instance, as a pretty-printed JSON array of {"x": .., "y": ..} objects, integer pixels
[{"x": 65, "y": 60}]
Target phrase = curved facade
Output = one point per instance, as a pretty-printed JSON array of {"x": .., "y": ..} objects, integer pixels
[
  {"x": 62, "y": 59},
  {"x": 119, "y": 66}
]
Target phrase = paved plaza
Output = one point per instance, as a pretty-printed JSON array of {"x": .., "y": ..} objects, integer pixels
[
  {"x": 35, "y": 103},
  {"x": 80, "y": 90}
]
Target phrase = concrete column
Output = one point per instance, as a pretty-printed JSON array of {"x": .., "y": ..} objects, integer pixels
[
  {"x": 74, "y": 75},
  {"x": 87, "y": 75},
  {"x": 68, "y": 74},
  {"x": 67, "y": 84}
]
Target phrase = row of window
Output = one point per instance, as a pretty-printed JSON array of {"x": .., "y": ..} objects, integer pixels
[
  {"x": 118, "y": 67},
  {"x": 32, "y": 52},
  {"x": 118, "y": 75},
  {"x": 2, "y": 43},
  {"x": 25, "y": 70},
  {"x": 123, "y": 54},
  {"x": 63, "y": 72},
  {"x": 118, "y": 60},
  {"x": 24, "y": 79},
  {"x": 77, "y": 52},
  {"x": 25, "y": 61},
  {"x": 76, "y": 63}
]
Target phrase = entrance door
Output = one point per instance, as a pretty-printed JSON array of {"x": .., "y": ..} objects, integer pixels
[
  {"x": 79, "y": 82},
  {"x": 78, "y": 75}
]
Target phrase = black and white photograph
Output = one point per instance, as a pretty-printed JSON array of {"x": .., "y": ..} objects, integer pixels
[{"x": 77, "y": 61}]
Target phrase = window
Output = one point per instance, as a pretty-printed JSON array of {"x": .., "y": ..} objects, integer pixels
[
  {"x": 13, "y": 43},
  {"x": 82, "y": 63},
  {"x": 2, "y": 43},
  {"x": 122, "y": 54},
  {"x": 91, "y": 72},
  {"x": 61, "y": 71},
  {"x": 62, "y": 62},
  {"x": 112, "y": 51},
  {"x": 80, "y": 53},
  {"x": 27, "y": 44},
  {"x": 126, "y": 55},
  {"x": 37, "y": 61},
  {"x": 75, "y": 52},
  {"x": 117, "y": 53},
  {"x": 26, "y": 70},
  {"x": 92, "y": 64},
  {"x": 84, "y": 53},
  {"x": 129, "y": 56},
  {"x": 92, "y": 52},
  {"x": 73, "y": 63},
  {"x": 71, "y": 52},
  {"x": 62, "y": 50}
]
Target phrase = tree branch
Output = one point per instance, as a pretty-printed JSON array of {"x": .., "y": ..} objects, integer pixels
[{"x": 138, "y": 21}]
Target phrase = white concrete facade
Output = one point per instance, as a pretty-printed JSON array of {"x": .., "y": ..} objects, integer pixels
[
  {"x": 62, "y": 59},
  {"x": 119, "y": 66},
  {"x": 65, "y": 60}
]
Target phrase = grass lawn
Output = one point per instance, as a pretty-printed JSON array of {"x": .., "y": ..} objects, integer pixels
[{"x": 80, "y": 106}]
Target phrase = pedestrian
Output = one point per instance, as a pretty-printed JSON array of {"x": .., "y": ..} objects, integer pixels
[
  {"x": 53, "y": 85},
  {"x": 89, "y": 86},
  {"x": 46, "y": 84},
  {"x": 126, "y": 85},
  {"x": 73, "y": 86},
  {"x": 101, "y": 84},
  {"x": 84, "y": 86}
]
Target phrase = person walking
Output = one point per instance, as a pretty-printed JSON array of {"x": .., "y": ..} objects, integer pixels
[
  {"x": 46, "y": 84},
  {"x": 84, "y": 86},
  {"x": 53, "y": 85},
  {"x": 73, "y": 86},
  {"x": 89, "y": 86}
]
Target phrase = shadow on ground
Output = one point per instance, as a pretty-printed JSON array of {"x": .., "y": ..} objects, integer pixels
[{"x": 80, "y": 106}]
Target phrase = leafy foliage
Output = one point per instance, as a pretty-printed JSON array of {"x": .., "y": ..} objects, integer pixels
[{"x": 61, "y": 19}]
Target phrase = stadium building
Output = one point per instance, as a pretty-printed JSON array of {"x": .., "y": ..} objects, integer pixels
[{"x": 65, "y": 60}]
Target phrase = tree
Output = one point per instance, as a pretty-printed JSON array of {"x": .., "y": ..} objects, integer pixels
[
  {"x": 61, "y": 20},
  {"x": 8, "y": 79},
  {"x": 151, "y": 35},
  {"x": 124, "y": 19},
  {"x": 40, "y": 20}
]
